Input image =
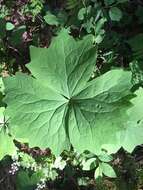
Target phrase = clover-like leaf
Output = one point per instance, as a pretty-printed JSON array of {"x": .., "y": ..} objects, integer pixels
[
  {"x": 98, "y": 172},
  {"x": 89, "y": 164},
  {"x": 58, "y": 105},
  {"x": 107, "y": 170},
  {"x": 105, "y": 157}
]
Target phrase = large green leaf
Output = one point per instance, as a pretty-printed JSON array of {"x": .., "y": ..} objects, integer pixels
[
  {"x": 37, "y": 112},
  {"x": 100, "y": 113},
  {"x": 60, "y": 106},
  {"x": 63, "y": 67}
]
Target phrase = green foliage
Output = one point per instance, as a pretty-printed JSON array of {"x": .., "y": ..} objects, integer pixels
[
  {"x": 137, "y": 72},
  {"x": 89, "y": 164},
  {"x": 107, "y": 170},
  {"x": 139, "y": 14},
  {"x": 24, "y": 182},
  {"x": 71, "y": 4},
  {"x": 64, "y": 107},
  {"x": 75, "y": 101},
  {"x": 16, "y": 37},
  {"x": 98, "y": 173},
  {"x": 34, "y": 172},
  {"x": 57, "y": 101},
  {"x": 109, "y": 2},
  {"x": 115, "y": 14},
  {"x": 104, "y": 157},
  {"x": 51, "y": 19},
  {"x": 9, "y": 26},
  {"x": 136, "y": 44},
  {"x": 99, "y": 164},
  {"x": 7, "y": 146},
  {"x": 34, "y": 7},
  {"x": 2, "y": 28}
]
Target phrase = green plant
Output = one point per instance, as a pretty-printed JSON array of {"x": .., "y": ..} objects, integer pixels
[
  {"x": 80, "y": 98},
  {"x": 6, "y": 141},
  {"x": 100, "y": 163},
  {"x": 65, "y": 107}
]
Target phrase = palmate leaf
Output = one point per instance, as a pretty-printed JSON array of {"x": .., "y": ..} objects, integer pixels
[
  {"x": 100, "y": 113},
  {"x": 63, "y": 67},
  {"x": 60, "y": 106},
  {"x": 37, "y": 112}
]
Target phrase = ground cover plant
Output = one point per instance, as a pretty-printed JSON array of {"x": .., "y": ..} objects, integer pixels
[{"x": 71, "y": 95}]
